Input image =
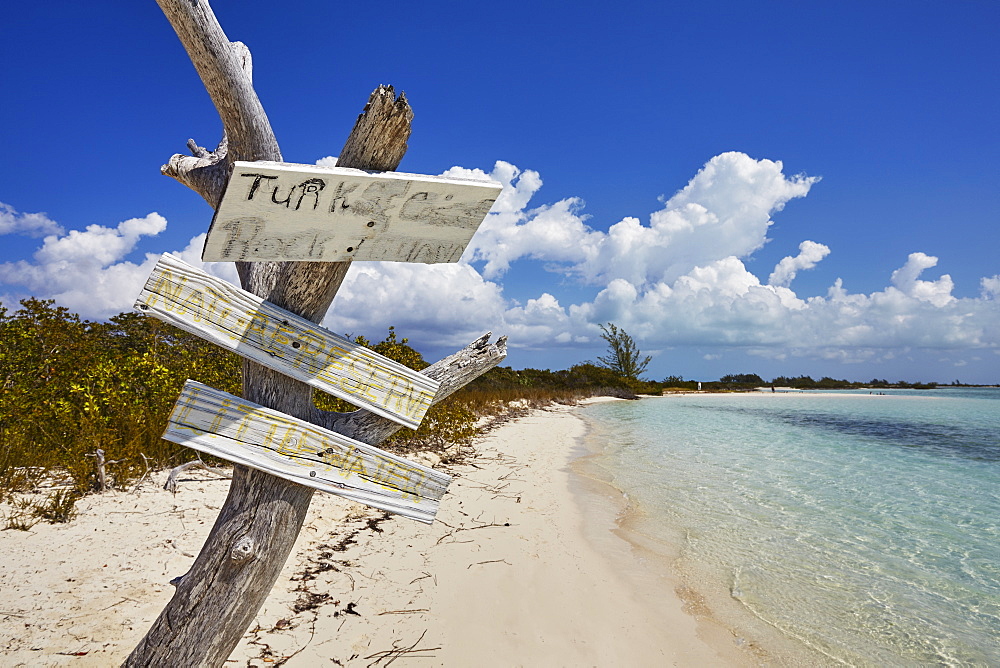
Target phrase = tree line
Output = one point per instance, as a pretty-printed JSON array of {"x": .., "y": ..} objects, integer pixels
[{"x": 624, "y": 357}]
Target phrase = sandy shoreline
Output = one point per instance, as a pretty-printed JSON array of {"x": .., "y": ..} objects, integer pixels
[{"x": 522, "y": 568}]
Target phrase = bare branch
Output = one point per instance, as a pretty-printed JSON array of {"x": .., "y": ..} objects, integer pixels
[
  {"x": 454, "y": 372},
  {"x": 220, "y": 64},
  {"x": 171, "y": 484},
  {"x": 206, "y": 172}
]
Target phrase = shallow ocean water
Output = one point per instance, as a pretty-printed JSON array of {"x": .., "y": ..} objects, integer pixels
[{"x": 863, "y": 527}]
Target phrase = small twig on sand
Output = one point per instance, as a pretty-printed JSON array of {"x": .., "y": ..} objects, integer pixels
[
  {"x": 145, "y": 459},
  {"x": 424, "y": 577},
  {"x": 491, "y": 561},
  {"x": 396, "y": 652},
  {"x": 482, "y": 526},
  {"x": 312, "y": 634}
]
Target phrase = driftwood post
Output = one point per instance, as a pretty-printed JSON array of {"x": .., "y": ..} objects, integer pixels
[
  {"x": 102, "y": 480},
  {"x": 217, "y": 599}
]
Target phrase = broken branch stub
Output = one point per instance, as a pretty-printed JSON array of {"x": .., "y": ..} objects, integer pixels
[{"x": 378, "y": 139}]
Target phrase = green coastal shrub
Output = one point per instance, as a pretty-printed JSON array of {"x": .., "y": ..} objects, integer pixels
[{"x": 71, "y": 386}]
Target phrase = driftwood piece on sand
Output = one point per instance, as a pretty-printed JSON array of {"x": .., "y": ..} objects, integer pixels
[
  {"x": 171, "y": 484},
  {"x": 100, "y": 470}
]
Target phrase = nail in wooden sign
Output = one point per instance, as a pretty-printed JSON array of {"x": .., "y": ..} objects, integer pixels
[
  {"x": 280, "y": 211},
  {"x": 219, "y": 312},
  {"x": 237, "y": 430}
]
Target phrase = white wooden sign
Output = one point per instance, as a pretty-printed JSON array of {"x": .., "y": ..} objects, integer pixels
[
  {"x": 280, "y": 211},
  {"x": 232, "y": 428},
  {"x": 213, "y": 309}
]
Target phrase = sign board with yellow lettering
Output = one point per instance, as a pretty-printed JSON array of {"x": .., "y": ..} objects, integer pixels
[
  {"x": 219, "y": 312},
  {"x": 232, "y": 428},
  {"x": 280, "y": 211}
]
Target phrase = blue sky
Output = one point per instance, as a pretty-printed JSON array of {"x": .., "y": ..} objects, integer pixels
[{"x": 769, "y": 187}]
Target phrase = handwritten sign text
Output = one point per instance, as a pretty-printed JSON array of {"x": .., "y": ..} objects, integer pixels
[
  {"x": 219, "y": 312},
  {"x": 279, "y": 211},
  {"x": 232, "y": 428}
]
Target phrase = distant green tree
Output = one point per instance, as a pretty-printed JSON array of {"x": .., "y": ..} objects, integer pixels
[
  {"x": 623, "y": 355},
  {"x": 832, "y": 383},
  {"x": 744, "y": 378},
  {"x": 802, "y": 382}
]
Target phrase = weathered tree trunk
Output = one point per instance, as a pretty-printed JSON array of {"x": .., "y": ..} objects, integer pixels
[{"x": 217, "y": 599}]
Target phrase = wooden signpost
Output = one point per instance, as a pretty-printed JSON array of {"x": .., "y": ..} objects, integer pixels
[
  {"x": 401, "y": 217},
  {"x": 269, "y": 217},
  {"x": 226, "y": 426},
  {"x": 279, "y": 211},
  {"x": 219, "y": 312}
]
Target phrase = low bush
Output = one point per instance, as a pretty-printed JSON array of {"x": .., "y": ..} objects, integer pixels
[{"x": 72, "y": 386}]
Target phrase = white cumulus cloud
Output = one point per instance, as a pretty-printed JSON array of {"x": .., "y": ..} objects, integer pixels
[
  {"x": 445, "y": 304},
  {"x": 785, "y": 271},
  {"x": 906, "y": 279},
  {"x": 86, "y": 270},
  {"x": 990, "y": 287},
  {"x": 27, "y": 224},
  {"x": 725, "y": 210},
  {"x": 681, "y": 280}
]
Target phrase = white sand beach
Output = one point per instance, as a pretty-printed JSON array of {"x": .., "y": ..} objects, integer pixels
[{"x": 522, "y": 568}]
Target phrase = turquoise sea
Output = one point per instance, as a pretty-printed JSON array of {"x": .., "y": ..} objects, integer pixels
[{"x": 829, "y": 527}]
